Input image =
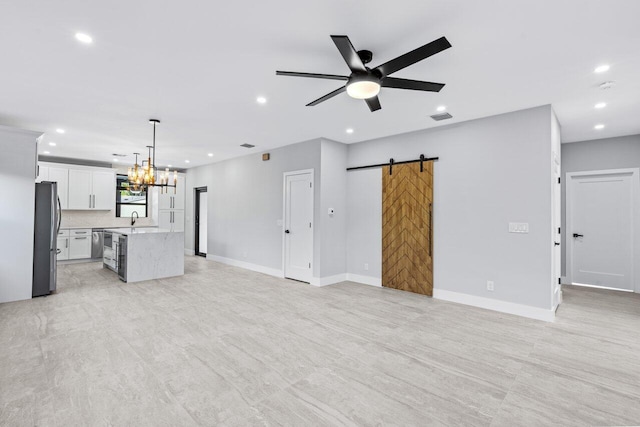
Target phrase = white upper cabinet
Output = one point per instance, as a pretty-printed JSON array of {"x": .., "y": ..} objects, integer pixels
[
  {"x": 81, "y": 187},
  {"x": 104, "y": 190},
  {"x": 43, "y": 173},
  {"x": 92, "y": 189},
  {"x": 80, "y": 196},
  {"x": 61, "y": 176},
  {"x": 172, "y": 199}
]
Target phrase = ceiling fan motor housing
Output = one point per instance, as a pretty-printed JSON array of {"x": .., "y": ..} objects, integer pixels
[{"x": 365, "y": 55}]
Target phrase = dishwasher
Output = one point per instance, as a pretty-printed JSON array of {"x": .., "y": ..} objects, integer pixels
[{"x": 97, "y": 243}]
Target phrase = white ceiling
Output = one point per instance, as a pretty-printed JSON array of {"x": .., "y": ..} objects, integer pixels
[{"x": 199, "y": 65}]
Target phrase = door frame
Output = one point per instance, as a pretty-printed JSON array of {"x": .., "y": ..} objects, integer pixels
[
  {"x": 635, "y": 225},
  {"x": 284, "y": 217},
  {"x": 196, "y": 222}
]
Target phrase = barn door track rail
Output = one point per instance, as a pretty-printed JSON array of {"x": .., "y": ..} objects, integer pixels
[{"x": 392, "y": 162}]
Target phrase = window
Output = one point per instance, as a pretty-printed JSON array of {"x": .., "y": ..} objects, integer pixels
[{"x": 128, "y": 201}]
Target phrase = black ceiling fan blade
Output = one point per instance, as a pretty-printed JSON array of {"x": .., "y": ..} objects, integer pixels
[
  {"x": 411, "y": 84},
  {"x": 327, "y": 96},
  {"x": 373, "y": 103},
  {"x": 312, "y": 75},
  {"x": 414, "y": 56},
  {"x": 349, "y": 54}
]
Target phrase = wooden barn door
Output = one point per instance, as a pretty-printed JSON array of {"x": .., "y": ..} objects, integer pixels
[{"x": 407, "y": 247}]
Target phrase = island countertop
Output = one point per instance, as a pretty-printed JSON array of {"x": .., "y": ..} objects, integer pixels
[{"x": 129, "y": 231}]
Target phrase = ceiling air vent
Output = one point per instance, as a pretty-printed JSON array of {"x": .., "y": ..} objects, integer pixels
[
  {"x": 441, "y": 116},
  {"x": 247, "y": 146}
]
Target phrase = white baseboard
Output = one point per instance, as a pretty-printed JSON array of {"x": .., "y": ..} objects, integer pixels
[
  {"x": 496, "y": 305},
  {"x": 189, "y": 252},
  {"x": 246, "y": 265},
  {"x": 329, "y": 280},
  {"x": 365, "y": 280}
]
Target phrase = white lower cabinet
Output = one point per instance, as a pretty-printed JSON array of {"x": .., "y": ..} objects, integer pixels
[
  {"x": 63, "y": 248},
  {"x": 80, "y": 243}
]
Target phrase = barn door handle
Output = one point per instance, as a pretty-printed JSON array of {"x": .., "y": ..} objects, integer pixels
[
  {"x": 430, "y": 230},
  {"x": 576, "y": 235},
  {"x": 287, "y": 231}
]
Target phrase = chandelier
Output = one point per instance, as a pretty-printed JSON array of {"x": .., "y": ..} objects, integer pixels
[{"x": 146, "y": 175}]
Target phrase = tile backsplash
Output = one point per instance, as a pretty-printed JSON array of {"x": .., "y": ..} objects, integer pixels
[{"x": 99, "y": 219}]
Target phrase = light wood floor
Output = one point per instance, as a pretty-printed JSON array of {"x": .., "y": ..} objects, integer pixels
[{"x": 225, "y": 346}]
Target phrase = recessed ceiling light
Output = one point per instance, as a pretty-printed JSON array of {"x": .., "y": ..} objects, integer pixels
[
  {"x": 441, "y": 108},
  {"x": 261, "y": 100},
  {"x": 53, "y": 144},
  {"x": 45, "y": 152},
  {"x": 601, "y": 68},
  {"x": 186, "y": 161},
  {"x": 84, "y": 38},
  {"x": 168, "y": 166},
  {"x": 210, "y": 154},
  {"x": 349, "y": 130},
  {"x": 600, "y": 105},
  {"x": 115, "y": 160},
  {"x": 598, "y": 127},
  {"x": 60, "y": 130}
]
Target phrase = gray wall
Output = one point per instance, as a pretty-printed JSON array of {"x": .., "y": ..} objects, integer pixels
[
  {"x": 491, "y": 172},
  {"x": 245, "y": 197},
  {"x": 333, "y": 228},
  {"x": 18, "y": 177},
  {"x": 601, "y": 154}
]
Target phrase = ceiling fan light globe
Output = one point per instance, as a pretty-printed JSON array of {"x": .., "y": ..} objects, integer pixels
[{"x": 363, "y": 89}]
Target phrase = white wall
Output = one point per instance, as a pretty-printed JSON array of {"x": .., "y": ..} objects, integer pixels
[
  {"x": 333, "y": 228},
  {"x": 491, "y": 172},
  {"x": 17, "y": 174},
  {"x": 556, "y": 202},
  {"x": 601, "y": 154},
  {"x": 245, "y": 201}
]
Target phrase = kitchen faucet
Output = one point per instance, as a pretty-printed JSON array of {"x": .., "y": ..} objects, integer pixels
[{"x": 133, "y": 221}]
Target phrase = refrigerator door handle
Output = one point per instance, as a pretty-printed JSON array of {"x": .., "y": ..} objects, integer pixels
[
  {"x": 54, "y": 234},
  {"x": 59, "y": 215}
]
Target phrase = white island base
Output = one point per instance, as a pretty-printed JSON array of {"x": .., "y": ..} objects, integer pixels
[{"x": 151, "y": 253}]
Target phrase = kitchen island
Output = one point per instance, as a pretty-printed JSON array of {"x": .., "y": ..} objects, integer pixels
[{"x": 144, "y": 254}]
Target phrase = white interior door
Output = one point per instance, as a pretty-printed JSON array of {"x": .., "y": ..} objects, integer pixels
[
  {"x": 599, "y": 229},
  {"x": 202, "y": 223},
  {"x": 298, "y": 226}
]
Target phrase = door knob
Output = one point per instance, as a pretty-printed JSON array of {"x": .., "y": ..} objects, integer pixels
[
  {"x": 556, "y": 243},
  {"x": 576, "y": 235},
  {"x": 287, "y": 231}
]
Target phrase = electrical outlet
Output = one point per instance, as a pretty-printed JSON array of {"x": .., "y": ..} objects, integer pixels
[
  {"x": 490, "y": 285},
  {"x": 366, "y": 266}
]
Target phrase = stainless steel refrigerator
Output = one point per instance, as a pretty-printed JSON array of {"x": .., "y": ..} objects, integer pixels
[{"x": 45, "y": 250}]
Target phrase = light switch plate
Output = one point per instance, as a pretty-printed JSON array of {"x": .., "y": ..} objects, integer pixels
[{"x": 518, "y": 227}]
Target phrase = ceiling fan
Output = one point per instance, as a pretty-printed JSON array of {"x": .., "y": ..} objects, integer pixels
[{"x": 364, "y": 82}]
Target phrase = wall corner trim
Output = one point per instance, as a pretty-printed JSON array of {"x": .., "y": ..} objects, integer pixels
[
  {"x": 247, "y": 265},
  {"x": 496, "y": 305},
  {"x": 365, "y": 280}
]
